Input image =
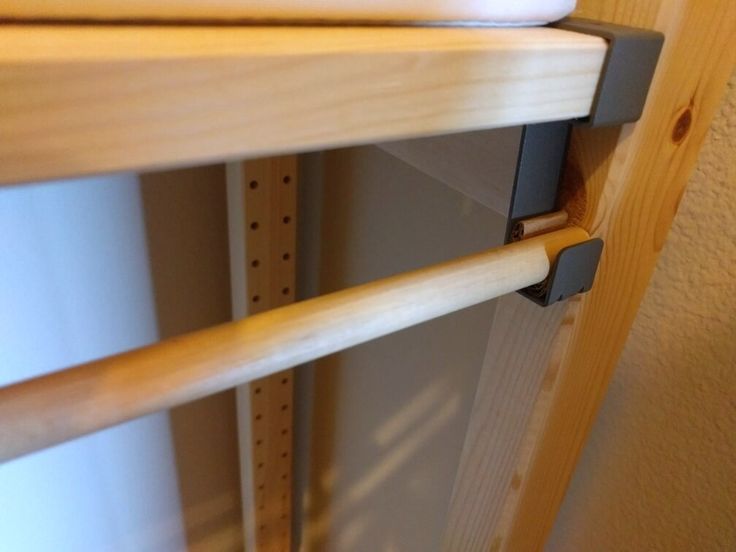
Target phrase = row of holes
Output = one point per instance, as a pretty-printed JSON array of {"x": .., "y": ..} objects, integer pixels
[
  {"x": 284, "y": 408},
  {"x": 257, "y": 298},
  {"x": 255, "y": 263},
  {"x": 255, "y": 225},
  {"x": 284, "y": 432},
  {"x": 254, "y": 183}
]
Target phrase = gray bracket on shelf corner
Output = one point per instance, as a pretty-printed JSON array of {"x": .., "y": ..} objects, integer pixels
[
  {"x": 627, "y": 70},
  {"x": 622, "y": 90},
  {"x": 542, "y": 154}
]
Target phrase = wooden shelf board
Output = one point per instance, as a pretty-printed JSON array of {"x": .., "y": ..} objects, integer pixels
[{"x": 89, "y": 99}]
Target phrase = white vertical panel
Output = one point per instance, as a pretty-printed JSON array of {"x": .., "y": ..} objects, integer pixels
[
  {"x": 390, "y": 416},
  {"x": 238, "y": 291},
  {"x": 75, "y": 285}
]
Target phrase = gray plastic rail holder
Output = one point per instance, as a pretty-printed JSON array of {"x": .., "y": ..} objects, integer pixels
[
  {"x": 627, "y": 70},
  {"x": 622, "y": 91}
]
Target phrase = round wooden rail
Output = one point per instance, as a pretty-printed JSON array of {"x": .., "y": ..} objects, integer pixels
[{"x": 57, "y": 407}]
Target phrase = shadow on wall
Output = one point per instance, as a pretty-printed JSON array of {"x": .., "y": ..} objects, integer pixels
[
  {"x": 389, "y": 416},
  {"x": 186, "y": 228}
]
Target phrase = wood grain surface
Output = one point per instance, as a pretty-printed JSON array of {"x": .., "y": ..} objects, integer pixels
[
  {"x": 63, "y": 405},
  {"x": 624, "y": 186},
  {"x": 90, "y": 99},
  {"x": 270, "y": 194}
]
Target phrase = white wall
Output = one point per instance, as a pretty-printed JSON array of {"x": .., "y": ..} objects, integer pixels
[
  {"x": 390, "y": 415},
  {"x": 75, "y": 285},
  {"x": 659, "y": 470}
]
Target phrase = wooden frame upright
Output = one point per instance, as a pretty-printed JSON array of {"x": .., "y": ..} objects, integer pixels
[{"x": 549, "y": 371}]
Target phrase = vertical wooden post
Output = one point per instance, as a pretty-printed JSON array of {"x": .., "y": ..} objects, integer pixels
[
  {"x": 622, "y": 185},
  {"x": 264, "y": 193}
]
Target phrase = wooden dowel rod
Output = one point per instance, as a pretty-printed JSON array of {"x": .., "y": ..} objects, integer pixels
[
  {"x": 544, "y": 223},
  {"x": 57, "y": 407}
]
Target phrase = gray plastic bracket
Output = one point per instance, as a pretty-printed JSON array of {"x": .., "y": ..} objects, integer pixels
[
  {"x": 573, "y": 272},
  {"x": 627, "y": 73},
  {"x": 627, "y": 70},
  {"x": 542, "y": 153}
]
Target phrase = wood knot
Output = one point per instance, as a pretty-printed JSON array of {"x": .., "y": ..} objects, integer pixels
[{"x": 682, "y": 125}]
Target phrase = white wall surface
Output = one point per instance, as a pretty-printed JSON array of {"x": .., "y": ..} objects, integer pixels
[
  {"x": 390, "y": 416},
  {"x": 75, "y": 285},
  {"x": 658, "y": 473}
]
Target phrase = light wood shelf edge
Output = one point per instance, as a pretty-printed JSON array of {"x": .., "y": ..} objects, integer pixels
[{"x": 89, "y": 99}]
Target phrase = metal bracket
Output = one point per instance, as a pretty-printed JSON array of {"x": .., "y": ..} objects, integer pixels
[{"x": 627, "y": 70}]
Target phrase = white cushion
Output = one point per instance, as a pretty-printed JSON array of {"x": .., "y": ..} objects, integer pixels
[{"x": 489, "y": 12}]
